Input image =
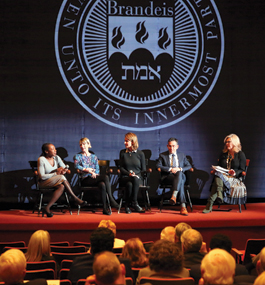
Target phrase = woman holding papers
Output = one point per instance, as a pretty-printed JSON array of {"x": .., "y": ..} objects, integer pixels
[
  {"x": 227, "y": 185},
  {"x": 132, "y": 163}
]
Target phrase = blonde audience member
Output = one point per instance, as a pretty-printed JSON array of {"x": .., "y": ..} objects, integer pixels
[
  {"x": 135, "y": 251},
  {"x": 111, "y": 225},
  {"x": 168, "y": 233},
  {"x": 39, "y": 247},
  {"x": 260, "y": 279},
  {"x": 13, "y": 268},
  {"x": 218, "y": 267}
]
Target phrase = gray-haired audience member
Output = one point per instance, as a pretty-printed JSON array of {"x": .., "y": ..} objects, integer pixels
[
  {"x": 217, "y": 267},
  {"x": 191, "y": 241}
]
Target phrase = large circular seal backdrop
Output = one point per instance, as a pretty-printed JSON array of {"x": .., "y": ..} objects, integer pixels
[{"x": 139, "y": 65}]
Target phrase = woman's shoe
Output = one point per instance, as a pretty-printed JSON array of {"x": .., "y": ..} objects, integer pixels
[
  {"x": 81, "y": 203},
  {"x": 114, "y": 204},
  {"x": 106, "y": 212},
  {"x": 48, "y": 214},
  {"x": 137, "y": 208},
  {"x": 127, "y": 210},
  {"x": 209, "y": 207}
]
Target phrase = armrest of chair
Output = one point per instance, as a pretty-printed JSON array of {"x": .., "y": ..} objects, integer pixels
[{"x": 238, "y": 255}]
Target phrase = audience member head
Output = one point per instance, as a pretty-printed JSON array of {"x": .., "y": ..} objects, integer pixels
[
  {"x": 260, "y": 266},
  {"x": 168, "y": 233},
  {"x": 108, "y": 270},
  {"x": 39, "y": 246},
  {"x": 218, "y": 267},
  {"x": 135, "y": 251},
  {"x": 191, "y": 241},
  {"x": 180, "y": 228},
  {"x": 221, "y": 241},
  {"x": 12, "y": 266},
  {"x": 260, "y": 279},
  {"x": 101, "y": 239},
  {"x": 165, "y": 256},
  {"x": 108, "y": 224}
]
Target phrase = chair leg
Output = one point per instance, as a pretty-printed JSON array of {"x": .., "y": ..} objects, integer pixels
[
  {"x": 108, "y": 203},
  {"x": 188, "y": 195},
  {"x": 162, "y": 200},
  {"x": 79, "y": 207},
  {"x": 67, "y": 200},
  {"x": 148, "y": 201},
  {"x": 245, "y": 206},
  {"x": 40, "y": 204},
  {"x": 145, "y": 197},
  {"x": 119, "y": 210},
  {"x": 239, "y": 205}
]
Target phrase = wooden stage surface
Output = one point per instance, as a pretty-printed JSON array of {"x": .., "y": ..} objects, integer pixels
[{"x": 20, "y": 224}]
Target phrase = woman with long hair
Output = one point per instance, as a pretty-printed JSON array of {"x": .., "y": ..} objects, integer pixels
[
  {"x": 132, "y": 163},
  {"x": 135, "y": 251},
  {"x": 227, "y": 185}
]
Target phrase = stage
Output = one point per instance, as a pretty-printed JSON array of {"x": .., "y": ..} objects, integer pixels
[{"x": 20, "y": 224}]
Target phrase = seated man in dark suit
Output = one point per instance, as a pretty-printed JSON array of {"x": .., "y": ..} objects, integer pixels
[
  {"x": 173, "y": 164},
  {"x": 13, "y": 268},
  {"x": 101, "y": 239},
  {"x": 218, "y": 241},
  {"x": 191, "y": 241}
]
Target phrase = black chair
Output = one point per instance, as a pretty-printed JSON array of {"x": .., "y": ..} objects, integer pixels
[
  {"x": 38, "y": 265},
  {"x": 65, "y": 282},
  {"x": 169, "y": 186},
  {"x": 242, "y": 178},
  {"x": 60, "y": 243},
  {"x": 23, "y": 249},
  {"x": 42, "y": 191},
  {"x": 144, "y": 189},
  {"x": 66, "y": 264},
  {"x": 147, "y": 245},
  {"x": 104, "y": 168},
  {"x": 167, "y": 281},
  {"x": 86, "y": 244},
  {"x": 63, "y": 273},
  {"x": 68, "y": 249},
  {"x": 15, "y": 244},
  {"x": 59, "y": 256},
  {"x": 252, "y": 247},
  {"x": 48, "y": 274}
]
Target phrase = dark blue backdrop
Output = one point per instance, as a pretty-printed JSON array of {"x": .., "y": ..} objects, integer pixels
[{"x": 37, "y": 107}]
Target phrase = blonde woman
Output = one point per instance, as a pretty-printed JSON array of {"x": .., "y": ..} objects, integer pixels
[
  {"x": 135, "y": 251},
  {"x": 227, "y": 186},
  {"x": 87, "y": 163},
  {"x": 132, "y": 163},
  {"x": 39, "y": 247}
]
